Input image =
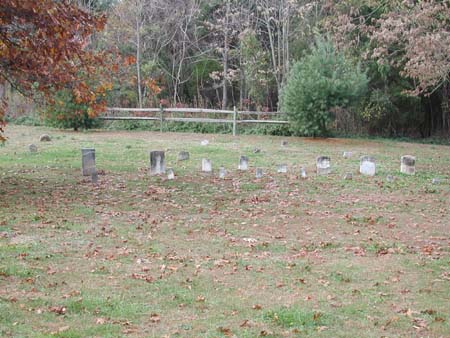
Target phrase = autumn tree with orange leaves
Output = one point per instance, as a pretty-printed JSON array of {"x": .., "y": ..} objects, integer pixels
[{"x": 43, "y": 46}]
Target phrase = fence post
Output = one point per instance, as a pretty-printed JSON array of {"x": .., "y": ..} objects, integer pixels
[
  {"x": 161, "y": 112},
  {"x": 234, "y": 120}
]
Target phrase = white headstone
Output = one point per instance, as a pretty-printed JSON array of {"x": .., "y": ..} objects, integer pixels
[
  {"x": 206, "y": 165},
  {"x": 170, "y": 174},
  {"x": 347, "y": 154},
  {"x": 222, "y": 172},
  {"x": 303, "y": 173},
  {"x": 157, "y": 162},
  {"x": 282, "y": 168},
  {"x": 204, "y": 142},
  {"x": 243, "y": 163},
  {"x": 323, "y": 165},
  {"x": 408, "y": 165},
  {"x": 367, "y": 166},
  {"x": 259, "y": 173},
  {"x": 88, "y": 161}
]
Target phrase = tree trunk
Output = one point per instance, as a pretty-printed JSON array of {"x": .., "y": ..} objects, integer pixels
[
  {"x": 225, "y": 59},
  {"x": 138, "y": 61}
]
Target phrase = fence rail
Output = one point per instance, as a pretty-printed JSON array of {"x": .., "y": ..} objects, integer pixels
[{"x": 235, "y": 120}]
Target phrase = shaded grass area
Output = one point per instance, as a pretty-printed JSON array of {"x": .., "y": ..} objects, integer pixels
[{"x": 203, "y": 257}]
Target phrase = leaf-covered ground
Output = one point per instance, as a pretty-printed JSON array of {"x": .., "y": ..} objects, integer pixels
[{"x": 142, "y": 256}]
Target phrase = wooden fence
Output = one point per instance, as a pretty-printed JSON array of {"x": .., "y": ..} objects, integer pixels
[{"x": 160, "y": 114}]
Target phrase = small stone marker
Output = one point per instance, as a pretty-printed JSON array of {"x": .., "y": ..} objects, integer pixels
[
  {"x": 88, "y": 161},
  {"x": 284, "y": 143},
  {"x": 303, "y": 173},
  {"x": 259, "y": 173},
  {"x": 243, "y": 163},
  {"x": 94, "y": 177},
  {"x": 183, "y": 156},
  {"x": 282, "y": 169},
  {"x": 367, "y": 166},
  {"x": 170, "y": 174},
  {"x": 157, "y": 162},
  {"x": 348, "y": 176},
  {"x": 256, "y": 151},
  {"x": 347, "y": 154},
  {"x": 45, "y": 138},
  {"x": 408, "y": 165},
  {"x": 204, "y": 142},
  {"x": 436, "y": 181},
  {"x": 390, "y": 178},
  {"x": 32, "y": 148},
  {"x": 222, "y": 172},
  {"x": 206, "y": 165},
  {"x": 323, "y": 165}
]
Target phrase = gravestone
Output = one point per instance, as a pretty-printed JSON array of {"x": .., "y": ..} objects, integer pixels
[
  {"x": 348, "y": 176},
  {"x": 284, "y": 143},
  {"x": 243, "y": 163},
  {"x": 206, "y": 165},
  {"x": 256, "y": 151},
  {"x": 94, "y": 177},
  {"x": 303, "y": 173},
  {"x": 347, "y": 154},
  {"x": 170, "y": 174},
  {"x": 408, "y": 165},
  {"x": 222, "y": 172},
  {"x": 183, "y": 156},
  {"x": 45, "y": 138},
  {"x": 88, "y": 161},
  {"x": 259, "y": 173},
  {"x": 157, "y": 162},
  {"x": 390, "y": 178},
  {"x": 282, "y": 168},
  {"x": 32, "y": 148},
  {"x": 367, "y": 166},
  {"x": 204, "y": 142},
  {"x": 436, "y": 181},
  {"x": 323, "y": 165}
]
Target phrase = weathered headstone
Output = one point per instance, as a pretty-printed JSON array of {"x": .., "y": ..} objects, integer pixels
[
  {"x": 33, "y": 148},
  {"x": 436, "y": 181},
  {"x": 284, "y": 143},
  {"x": 94, "y": 177},
  {"x": 243, "y": 163},
  {"x": 204, "y": 142},
  {"x": 206, "y": 165},
  {"x": 88, "y": 161},
  {"x": 45, "y": 138},
  {"x": 157, "y": 162},
  {"x": 323, "y": 165},
  {"x": 303, "y": 173},
  {"x": 183, "y": 156},
  {"x": 347, "y": 154},
  {"x": 348, "y": 176},
  {"x": 256, "y": 151},
  {"x": 408, "y": 165},
  {"x": 170, "y": 174},
  {"x": 259, "y": 173},
  {"x": 390, "y": 178},
  {"x": 367, "y": 166},
  {"x": 222, "y": 172},
  {"x": 282, "y": 168}
]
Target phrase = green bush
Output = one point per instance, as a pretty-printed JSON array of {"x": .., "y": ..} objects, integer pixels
[{"x": 318, "y": 84}]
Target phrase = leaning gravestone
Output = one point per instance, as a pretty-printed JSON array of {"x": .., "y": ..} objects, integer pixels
[
  {"x": 303, "y": 173},
  {"x": 367, "y": 166},
  {"x": 32, "y": 148},
  {"x": 157, "y": 162},
  {"x": 408, "y": 165},
  {"x": 259, "y": 173},
  {"x": 45, "y": 138},
  {"x": 282, "y": 169},
  {"x": 88, "y": 161},
  {"x": 243, "y": 163},
  {"x": 222, "y": 172},
  {"x": 323, "y": 164},
  {"x": 170, "y": 174},
  {"x": 206, "y": 165},
  {"x": 183, "y": 156}
]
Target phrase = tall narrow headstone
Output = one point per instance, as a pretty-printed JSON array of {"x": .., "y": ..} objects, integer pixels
[
  {"x": 282, "y": 169},
  {"x": 243, "y": 163},
  {"x": 367, "y": 166},
  {"x": 170, "y": 174},
  {"x": 303, "y": 173},
  {"x": 88, "y": 161},
  {"x": 157, "y": 162},
  {"x": 259, "y": 173},
  {"x": 323, "y": 165},
  {"x": 206, "y": 165},
  {"x": 222, "y": 172},
  {"x": 183, "y": 156},
  {"x": 408, "y": 165}
]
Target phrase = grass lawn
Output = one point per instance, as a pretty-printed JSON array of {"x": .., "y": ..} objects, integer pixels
[{"x": 198, "y": 256}]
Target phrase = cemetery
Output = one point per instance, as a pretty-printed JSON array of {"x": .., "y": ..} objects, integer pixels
[{"x": 112, "y": 234}]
